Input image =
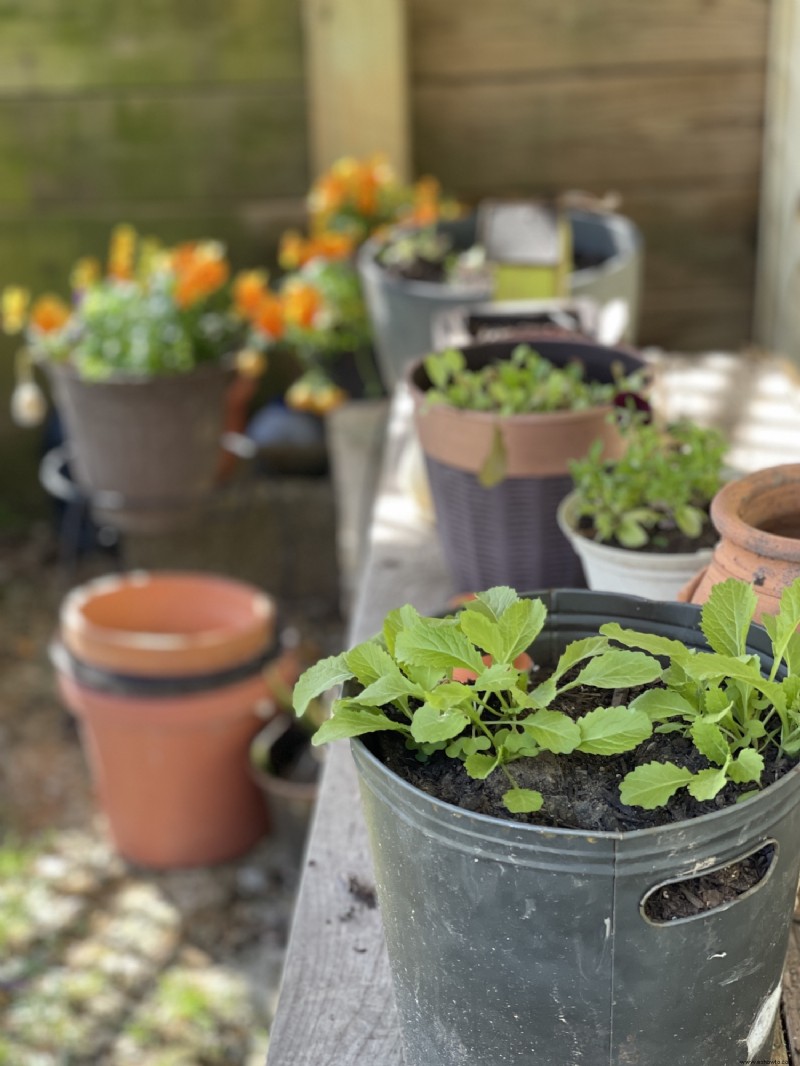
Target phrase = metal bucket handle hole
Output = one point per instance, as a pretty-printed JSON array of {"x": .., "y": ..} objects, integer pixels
[{"x": 689, "y": 883}]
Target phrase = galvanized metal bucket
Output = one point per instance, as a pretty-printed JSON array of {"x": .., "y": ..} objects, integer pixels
[{"x": 514, "y": 945}]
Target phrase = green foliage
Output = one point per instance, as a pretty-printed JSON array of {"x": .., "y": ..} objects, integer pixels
[
  {"x": 451, "y": 685},
  {"x": 524, "y": 383},
  {"x": 664, "y": 481}
]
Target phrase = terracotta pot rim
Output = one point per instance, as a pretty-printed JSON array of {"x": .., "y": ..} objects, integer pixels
[
  {"x": 733, "y": 498},
  {"x": 254, "y": 629}
]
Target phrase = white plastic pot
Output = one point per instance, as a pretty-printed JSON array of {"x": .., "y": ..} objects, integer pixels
[{"x": 654, "y": 575}]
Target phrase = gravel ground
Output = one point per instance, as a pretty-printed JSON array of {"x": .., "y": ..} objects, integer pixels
[{"x": 102, "y": 962}]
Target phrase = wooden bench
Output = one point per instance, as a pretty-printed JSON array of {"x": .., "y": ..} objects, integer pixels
[{"x": 336, "y": 1006}]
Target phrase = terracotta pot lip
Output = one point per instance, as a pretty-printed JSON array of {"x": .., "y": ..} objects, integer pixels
[
  {"x": 73, "y": 618},
  {"x": 733, "y": 498}
]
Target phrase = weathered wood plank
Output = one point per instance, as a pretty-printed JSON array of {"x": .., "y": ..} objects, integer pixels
[
  {"x": 192, "y": 144},
  {"x": 528, "y": 135},
  {"x": 791, "y": 996},
  {"x": 476, "y": 39},
  {"x": 51, "y": 45},
  {"x": 357, "y": 80},
  {"x": 777, "y": 324}
]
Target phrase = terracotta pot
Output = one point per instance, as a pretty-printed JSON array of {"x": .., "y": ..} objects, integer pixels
[
  {"x": 165, "y": 673},
  {"x": 166, "y": 624},
  {"x": 286, "y": 768},
  {"x": 758, "y": 520},
  {"x": 508, "y": 534}
]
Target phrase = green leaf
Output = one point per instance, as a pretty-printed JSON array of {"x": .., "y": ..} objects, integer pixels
[
  {"x": 522, "y": 800},
  {"x": 661, "y": 703},
  {"x": 517, "y": 744},
  {"x": 578, "y": 650},
  {"x": 484, "y": 632},
  {"x": 709, "y": 666},
  {"x": 369, "y": 661},
  {"x": 553, "y": 730},
  {"x": 653, "y": 784},
  {"x": 650, "y": 642},
  {"x": 495, "y": 464},
  {"x": 619, "y": 669},
  {"x": 392, "y": 686},
  {"x": 520, "y": 625},
  {"x": 465, "y": 745},
  {"x": 449, "y": 694},
  {"x": 350, "y": 719},
  {"x": 494, "y": 602},
  {"x": 431, "y": 644},
  {"x": 392, "y": 624},
  {"x": 709, "y": 740},
  {"x": 610, "y": 730},
  {"x": 747, "y": 766},
  {"x": 499, "y": 677},
  {"x": 705, "y": 784},
  {"x": 320, "y": 677},
  {"x": 480, "y": 766},
  {"x": 782, "y": 627},
  {"x": 689, "y": 520},
  {"x": 630, "y": 534},
  {"x": 430, "y": 724},
  {"x": 727, "y": 615}
]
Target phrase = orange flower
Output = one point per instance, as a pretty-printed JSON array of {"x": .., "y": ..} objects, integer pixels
[
  {"x": 15, "y": 308},
  {"x": 122, "y": 252},
  {"x": 200, "y": 272},
  {"x": 331, "y": 245},
  {"x": 426, "y": 207},
  {"x": 301, "y": 303},
  {"x": 249, "y": 288},
  {"x": 291, "y": 253},
  {"x": 268, "y": 316},
  {"x": 49, "y": 313}
]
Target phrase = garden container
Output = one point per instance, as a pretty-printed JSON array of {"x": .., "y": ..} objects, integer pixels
[
  {"x": 166, "y": 675},
  {"x": 758, "y": 520},
  {"x": 144, "y": 450},
  {"x": 286, "y": 768},
  {"x": 403, "y": 312},
  {"x": 656, "y": 575},
  {"x": 508, "y": 534},
  {"x": 511, "y": 944}
]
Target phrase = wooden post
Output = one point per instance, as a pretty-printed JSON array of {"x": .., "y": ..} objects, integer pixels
[
  {"x": 777, "y": 310},
  {"x": 357, "y": 77}
]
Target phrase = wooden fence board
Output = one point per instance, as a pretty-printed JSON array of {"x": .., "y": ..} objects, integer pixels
[
  {"x": 551, "y": 134},
  {"x": 476, "y": 39},
  {"x": 50, "y": 45}
]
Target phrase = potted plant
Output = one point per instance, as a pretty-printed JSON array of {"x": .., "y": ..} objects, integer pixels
[
  {"x": 499, "y": 423},
  {"x": 413, "y": 273},
  {"x": 640, "y": 523},
  {"x": 594, "y": 860},
  {"x": 140, "y": 363}
]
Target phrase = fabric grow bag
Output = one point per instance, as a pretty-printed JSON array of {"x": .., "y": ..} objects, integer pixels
[{"x": 514, "y": 945}]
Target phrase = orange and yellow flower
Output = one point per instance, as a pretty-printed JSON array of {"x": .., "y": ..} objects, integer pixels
[
  {"x": 301, "y": 303},
  {"x": 249, "y": 288},
  {"x": 295, "y": 251},
  {"x": 122, "y": 252},
  {"x": 49, "y": 313},
  {"x": 84, "y": 274},
  {"x": 201, "y": 270},
  {"x": 268, "y": 317}
]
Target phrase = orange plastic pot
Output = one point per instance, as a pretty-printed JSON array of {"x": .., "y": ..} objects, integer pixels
[
  {"x": 166, "y": 676},
  {"x": 163, "y": 624},
  {"x": 758, "y": 520}
]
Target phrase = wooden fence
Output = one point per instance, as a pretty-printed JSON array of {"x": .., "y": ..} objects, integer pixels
[{"x": 192, "y": 118}]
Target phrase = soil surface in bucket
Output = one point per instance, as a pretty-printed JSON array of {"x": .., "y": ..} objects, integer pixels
[{"x": 582, "y": 792}]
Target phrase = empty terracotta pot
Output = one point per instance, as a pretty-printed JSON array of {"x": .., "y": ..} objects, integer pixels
[
  {"x": 166, "y": 675},
  {"x": 758, "y": 520}
]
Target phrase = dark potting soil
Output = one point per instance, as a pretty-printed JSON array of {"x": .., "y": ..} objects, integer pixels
[
  {"x": 418, "y": 270},
  {"x": 582, "y": 792},
  {"x": 670, "y": 541}
]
